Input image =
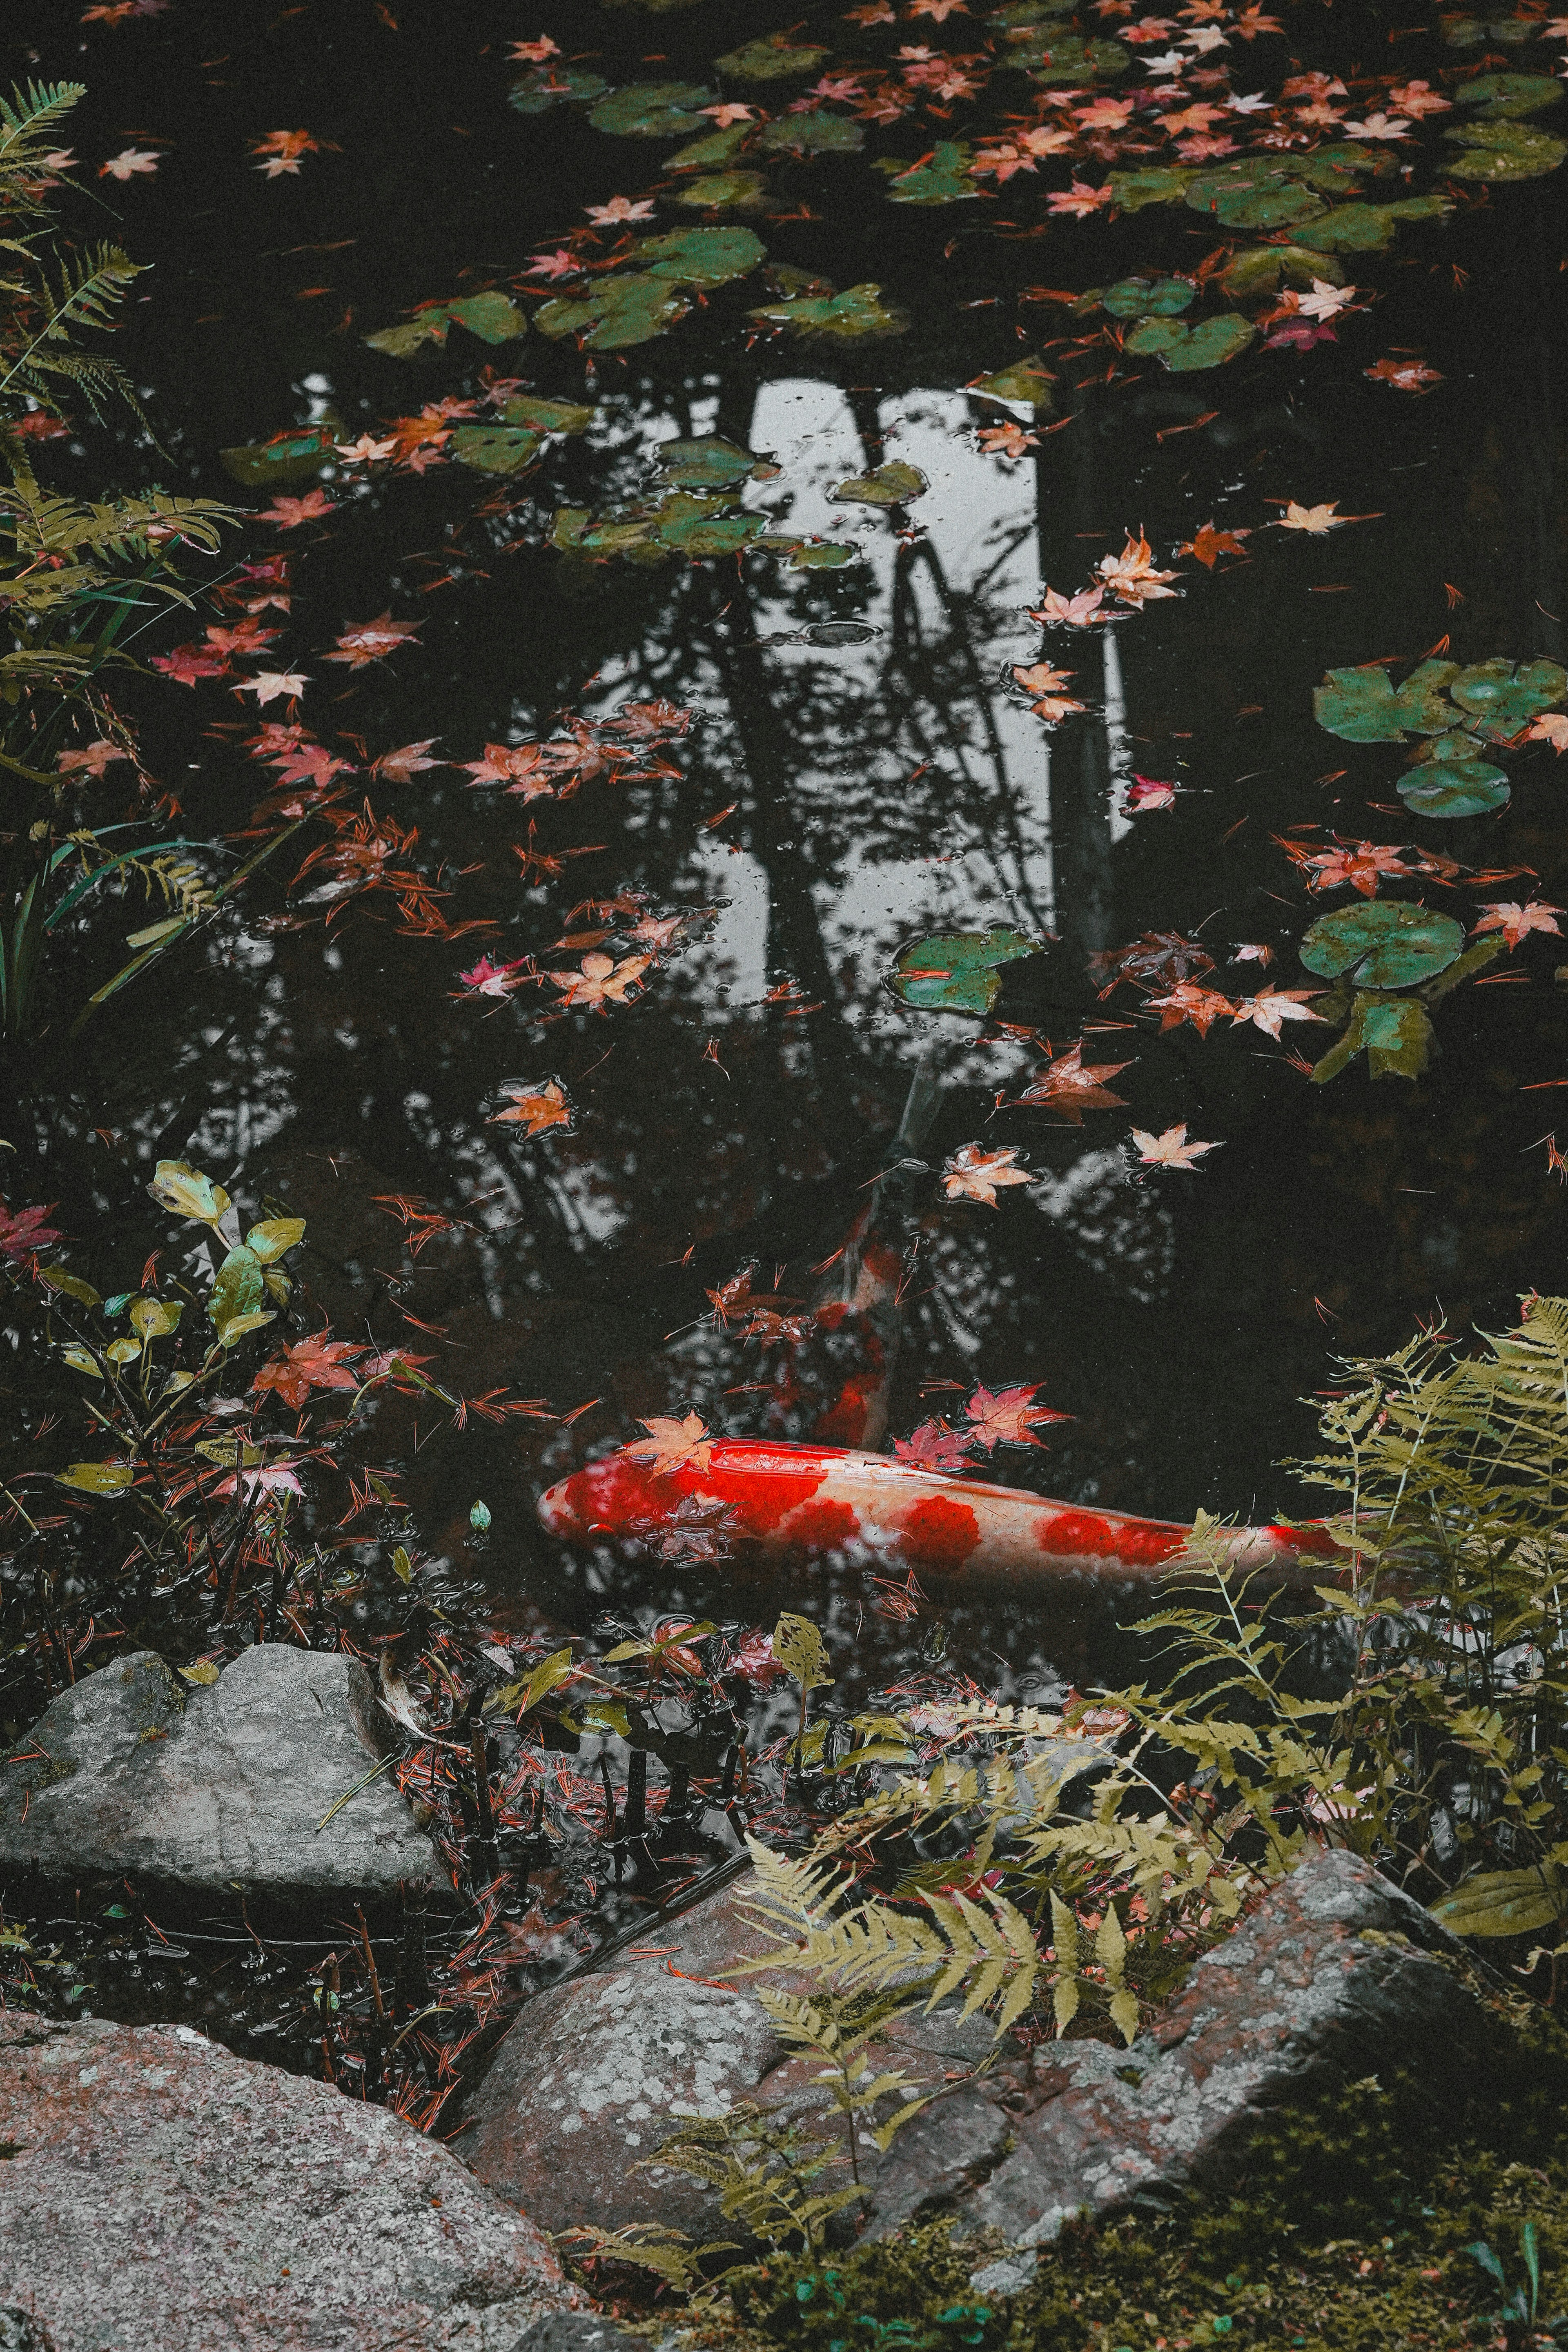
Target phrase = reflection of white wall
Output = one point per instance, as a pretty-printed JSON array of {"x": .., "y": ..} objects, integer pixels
[{"x": 735, "y": 954}]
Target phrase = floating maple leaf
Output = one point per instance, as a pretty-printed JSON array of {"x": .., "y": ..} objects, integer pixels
[
  {"x": 93, "y": 758},
  {"x": 269, "y": 685},
  {"x": 1170, "y": 1149},
  {"x": 1040, "y": 680},
  {"x": 1271, "y": 1006},
  {"x": 933, "y": 1446},
  {"x": 1379, "y": 126},
  {"x": 1551, "y": 728},
  {"x": 1404, "y": 376},
  {"x": 1078, "y": 612},
  {"x": 1007, "y": 1416},
  {"x": 314, "y": 1364},
  {"x": 672, "y": 1446},
  {"x": 1513, "y": 920},
  {"x": 1250, "y": 951},
  {"x": 526, "y": 768},
  {"x": 1316, "y": 519},
  {"x": 487, "y": 978},
  {"x": 129, "y": 163},
  {"x": 282, "y": 150},
  {"x": 400, "y": 767},
  {"x": 1149, "y": 793},
  {"x": 559, "y": 264},
  {"x": 289, "y": 513},
  {"x": 1007, "y": 441},
  {"x": 972, "y": 1174},
  {"x": 1187, "y": 1001},
  {"x": 1072, "y": 1087},
  {"x": 1207, "y": 544},
  {"x": 1158, "y": 958},
  {"x": 619, "y": 209},
  {"x": 536, "y": 1108},
  {"x": 534, "y": 52},
  {"x": 22, "y": 1231},
  {"x": 1325, "y": 302},
  {"x": 1418, "y": 97},
  {"x": 372, "y": 640},
  {"x": 601, "y": 980},
  {"x": 1358, "y": 863},
  {"x": 1131, "y": 575},
  {"x": 1080, "y": 201}
]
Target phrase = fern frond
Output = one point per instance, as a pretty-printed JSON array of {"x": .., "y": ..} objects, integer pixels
[{"x": 30, "y": 122}]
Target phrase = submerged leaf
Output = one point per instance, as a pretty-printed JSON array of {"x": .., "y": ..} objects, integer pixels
[
  {"x": 618, "y": 313},
  {"x": 652, "y": 110},
  {"x": 555, "y": 86},
  {"x": 889, "y": 486},
  {"x": 1507, "y": 94},
  {"x": 97, "y": 1477},
  {"x": 773, "y": 58},
  {"x": 286, "y": 458},
  {"x": 1149, "y": 298},
  {"x": 811, "y": 135},
  {"x": 494, "y": 448},
  {"x": 743, "y": 192},
  {"x": 956, "y": 971}
]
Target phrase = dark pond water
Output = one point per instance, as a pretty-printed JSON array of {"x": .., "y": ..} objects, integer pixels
[{"x": 857, "y": 767}]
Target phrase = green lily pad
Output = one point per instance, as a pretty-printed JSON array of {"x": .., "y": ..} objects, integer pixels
[
  {"x": 1027, "y": 381},
  {"x": 1398, "y": 1038},
  {"x": 617, "y": 313},
  {"x": 547, "y": 415},
  {"x": 701, "y": 256},
  {"x": 774, "y": 58},
  {"x": 1369, "y": 228},
  {"x": 714, "y": 148},
  {"x": 1065, "y": 56},
  {"x": 1504, "y": 150},
  {"x": 652, "y": 110},
  {"x": 1362, "y": 705},
  {"x": 492, "y": 317},
  {"x": 1510, "y": 94},
  {"x": 939, "y": 178},
  {"x": 1453, "y": 787},
  {"x": 1462, "y": 32},
  {"x": 1387, "y": 943},
  {"x": 858, "y": 310},
  {"x": 286, "y": 458},
  {"x": 543, "y": 88},
  {"x": 1186, "y": 349},
  {"x": 811, "y": 135},
  {"x": 1131, "y": 191},
  {"x": 956, "y": 971},
  {"x": 496, "y": 448},
  {"x": 819, "y": 555},
  {"x": 1264, "y": 269},
  {"x": 1247, "y": 199},
  {"x": 709, "y": 534},
  {"x": 1149, "y": 298},
  {"x": 1498, "y": 699},
  {"x": 710, "y": 463},
  {"x": 730, "y": 191},
  {"x": 889, "y": 486}
]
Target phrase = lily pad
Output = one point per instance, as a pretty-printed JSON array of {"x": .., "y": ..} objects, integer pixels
[
  {"x": 1131, "y": 191},
  {"x": 943, "y": 177},
  {"x": 1504, "y": 150},
  {"x": 709, "y": 534},
  {"x": 1027, "y": 381},
  {"x": 710, "y": 463},
  {"x": 811, "y": 135},
  {"x": 1453, "y": 787},
  {"x": 858, "y": 310},
  {"x": 1498, "y": 699},
  {"x": 701, "y": 256},
  {"x": 715, "y": 147},
  {"x": 492, "y": 317},
  {"x": 1149, "y": 298},
  {"x": 1387, "y": 943},
  {"x": 617, "y": 313},
  {"x": 547, "y": 415},
  {"x": 543, "y": 88},
  {"x": 821, "y": 555},
  {"x": 889, "y": 486},
  {"x": 1247, "y": 199},
  {"x": 1398, "y": 1038},
  {"x": 956, "y": 971},
  {"x": 774, "y": 58},
  {"x": 289, "y": 457},
  {"x": 1264, "y": 269},
  {"x": 652, "y": 110},
  {"x": 1065, "y": 56},
  {"x": 496, "y": 448},
  {"x": 1362, "y": 705},
  {"x": 1186, "y": 349},
  {"x": 1369, "y": 228},
  {"x": 730, "y": 191},
  {"x": 1510, "y": 93}
]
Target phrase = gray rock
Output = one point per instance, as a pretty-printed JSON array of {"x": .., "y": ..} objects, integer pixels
[
  {"x": 1338, "y": 1975},
  {"x": 597, "y": 2071},
  {"x": 132, "y": 1772},
  {"x": 167, "y": 2196},
  {"x": 573, "y": 2331}
]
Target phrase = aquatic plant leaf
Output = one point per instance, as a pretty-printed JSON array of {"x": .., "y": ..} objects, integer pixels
[
  {"x": 701, "y": 256},
  {"x": 943, "y": 177},
  {"x": 709, "y": 534},
  {"x": 547, "y": 415},
  {"x": 889, "y": 486},
  {"x": 286, "y": 458},
  {"x": 1498, "y": 699},
  {"x": 1453, "y": 787},
  {"x": 1186, "y": 349},
  {"x": 1369, "y": 228},
  {"x": 1524, "y": 154},
  {"x": 956, "y": 971},
  {"x": 618, "y": 313},
  {"x": 1066, "y": 56},
  {"x": 238, "y": 1289},
  {"x": 555, "y": 86},
  {"x": 402, "y": 342},
  {"x": 492, "y": 317},
  {"x": 496, "y": 448},
  {"x": 1508, "y": 94},
  {"x": 1263, "y": 268},
  {"x": 800, "y": 1650},
  {"x": 818, "y": 555},
  {"x": 1149, "y": 298},
  {"x": 1503, "y": 1903},
  {"x": 1246, "y": 198},
  {"x": 714, "y": 147},
  {"x": 708, "y": 463},
  {"x": 1027, "y": 381},
  {"x": 97, "y": 1477},
  {"x": 652, "y": 110},
  {"x": 858, "y": 310},
  {"x": 274, "y": 1237},
  {"x": 811, "y": 135},
  {"x": 188, "y": 1193},
  {"x": 80, "y": 1361},
  {"x": 1398, "y": 1038},
  {"x": 1362, "y": 705},
  {"x": 743, "y": 192},
  {"x": 773, "y": 58},
  {"x": 1163, "y": 184},
  {"x": 55, "y": 1277},
  {"x": 155, "y": 1319},
  {"x": 1387, "y": 943},
  {"x": 240, "y": 1326}
]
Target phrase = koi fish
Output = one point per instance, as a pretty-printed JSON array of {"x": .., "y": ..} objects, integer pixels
[{"x": 782, "y": 1500}]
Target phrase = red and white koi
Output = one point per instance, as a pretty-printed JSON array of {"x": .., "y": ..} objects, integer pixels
[{"x": 783, "y": 1500}]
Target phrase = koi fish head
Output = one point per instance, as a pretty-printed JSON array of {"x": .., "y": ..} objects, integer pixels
[{"x": 607, "y": 1499}]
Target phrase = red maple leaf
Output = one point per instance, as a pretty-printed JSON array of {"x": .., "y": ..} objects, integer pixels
[
  {"x": 22, "y": 1231},
  {"x": 1006, "y": 1417},
  {"x": 317, "y": 1363},
  {"x": 1208, "y": 545},
  {"x": 187, "y": 662},
  {"x": 935, "y": 1447},
  {"x": 1187, "y": 1001},
  {"x": 1071, "y": 1085}
]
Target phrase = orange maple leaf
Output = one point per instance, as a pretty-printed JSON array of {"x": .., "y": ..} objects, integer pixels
[
  {"x": 974, "y": 1175},
  {"x": 1071, "y": 1085},
  {"x": 1208, "y": 544},
  {"x": 672, "y": 1446},
  {"x": 536, "y": 1108}
]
